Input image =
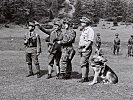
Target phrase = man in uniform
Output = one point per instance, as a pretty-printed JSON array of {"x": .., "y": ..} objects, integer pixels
[
  {"x": 54, "y": 49},
  {"x": 98, "y": 41},
  {"x": 68, "y": 38},
  {"x": 130, "y": 46},
  {"x": 85, "y": 47},
  {"x": 33, "y": 49},
  {"x": 116, "y": 44}
]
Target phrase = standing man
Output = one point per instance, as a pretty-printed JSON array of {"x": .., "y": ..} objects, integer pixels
[
  {"x": 130, "y": 46},
  {"x": 54, "y": 49},
  {"x": 116, "y": 44},
  {"x": 33, "y": 49},
  {"x": 98, "y": 41},
  {"x": 68, "y": 38},
  {"x": 85, "y": 47}
]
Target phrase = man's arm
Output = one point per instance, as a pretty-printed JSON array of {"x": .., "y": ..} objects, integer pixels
[
  {"x": 38, "y": 44},
  {"x": 47, "y": 31}
]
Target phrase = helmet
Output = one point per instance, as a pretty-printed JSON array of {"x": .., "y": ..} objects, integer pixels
[
  {"x": 32, "y": 24},
  {"x": 98, "y": 34},
  {"x": 116, "y": 34},
  {"x": 68, "y": 21}
]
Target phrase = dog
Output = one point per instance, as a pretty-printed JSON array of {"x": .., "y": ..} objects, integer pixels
[{"x": 98, "y": 63}]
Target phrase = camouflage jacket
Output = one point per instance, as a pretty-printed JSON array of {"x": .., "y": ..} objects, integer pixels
[{"x": 68, "y": 38}]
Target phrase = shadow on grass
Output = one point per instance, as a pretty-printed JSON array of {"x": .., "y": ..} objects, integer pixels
[
  {"x": 76, "y": 75},
  {"x": 43, "y": 72}
]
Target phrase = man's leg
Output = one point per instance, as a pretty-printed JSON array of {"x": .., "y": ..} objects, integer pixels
[
  {"x": 84, "y": 63},
  {"x": 29, "y": 62},
  {"x": 114, "y": 50},
  {"x": 57, "y": 62},
  {"x": 50, "y": 65},
  {"x": 36, "y": 62},
  {"x": 84, "y": 69},
  {"x": 63, "y": 65}
]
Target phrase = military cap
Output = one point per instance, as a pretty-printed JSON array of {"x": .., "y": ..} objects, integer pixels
[
  {"x": 85, "y": 20},
  {"x": 116, "y": 34},
  {"x": 31, "y": 24}
]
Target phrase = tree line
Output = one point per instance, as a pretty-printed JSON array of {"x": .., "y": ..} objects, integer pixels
[{"x": 21, "y": 11}]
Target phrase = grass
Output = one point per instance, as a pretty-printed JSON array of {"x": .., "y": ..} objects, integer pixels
[{"x": 13, "y": 69}]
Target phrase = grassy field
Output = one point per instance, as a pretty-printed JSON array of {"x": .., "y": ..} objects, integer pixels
[{"x": 13, "y": 69}]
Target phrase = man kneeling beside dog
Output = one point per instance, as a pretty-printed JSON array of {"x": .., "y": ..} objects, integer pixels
[{"x": 98, "y": 64}]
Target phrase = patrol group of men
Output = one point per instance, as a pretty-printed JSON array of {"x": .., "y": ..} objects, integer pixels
[
  {"x": 60, "y": 47},
  {"x": 116, "y": 44}
]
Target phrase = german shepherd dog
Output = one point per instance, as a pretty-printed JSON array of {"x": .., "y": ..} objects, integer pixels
[{"x": 108, "y": 76}]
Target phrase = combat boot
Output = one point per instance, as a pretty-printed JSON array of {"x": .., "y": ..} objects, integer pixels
[
  {"x": 62, "y": 76},
  {"x": 57, "y": 75},
  {"x": 30, "y": 71},
  {"x": 38, "y": 71},
  {"x": 84, "y": 80},
  {"x": 30, "y": 74},
  {"x": 38, "y": 75},
  {"x": 49, "y": 76}
]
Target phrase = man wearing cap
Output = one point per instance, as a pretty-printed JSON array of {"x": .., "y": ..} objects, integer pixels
[
  {"x": 130, "y": 46},
  {"x": 85, "y": 47},
  {"x": 33, "y": 49},
  {"x": 68, "y": 52},
  {"x": 116, "y": 44},
  {"x": 98, "y": 41},
  {"x": 54, "y": 49}
]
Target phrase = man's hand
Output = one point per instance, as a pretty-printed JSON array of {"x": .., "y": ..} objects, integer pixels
[
  {"x": 38, "y": 54},
  {"x": 83, "y": 50},
  {"x": 59, "y": 42},
  {"x": 36, "y": 23}
]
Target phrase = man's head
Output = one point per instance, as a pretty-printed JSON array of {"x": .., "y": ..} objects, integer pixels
[
  {"x": 67, "y": 23},
  {"x": 57, "y": 25},
  {"x": 85, "y": 21},
  {"x": 31, "y": 26},
  {"x": 132, "y": 35},
  {"x": 116, "y": 34}
]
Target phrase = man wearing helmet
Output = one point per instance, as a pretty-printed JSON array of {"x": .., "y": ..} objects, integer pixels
[
  {"x": 130, "y": 46},
  {"x": 116, "y": 44},
  {"x": 33, "y": 49},
  {"x": 98, "y": 41},
  {"x": 68, "y": 38},
  {"x": 54, "y": 49}
]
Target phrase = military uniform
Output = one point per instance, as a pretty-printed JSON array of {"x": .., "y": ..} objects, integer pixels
[
  {"x": 86, "y": 35},
  {"x": 98, "y": 41},
  {"x": 68, "y": 52},
  {"x": 116, "y": 45},
  {"x": 32, "y": 48},
  {"x": 54, "y": 49},
  {"x": 130, "y": 46}
]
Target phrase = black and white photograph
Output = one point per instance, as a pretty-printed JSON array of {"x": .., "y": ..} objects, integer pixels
[{"x": 66, "y": 49}]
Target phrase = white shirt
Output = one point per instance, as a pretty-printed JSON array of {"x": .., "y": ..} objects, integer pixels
[{"x": 86, "y": 35}]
